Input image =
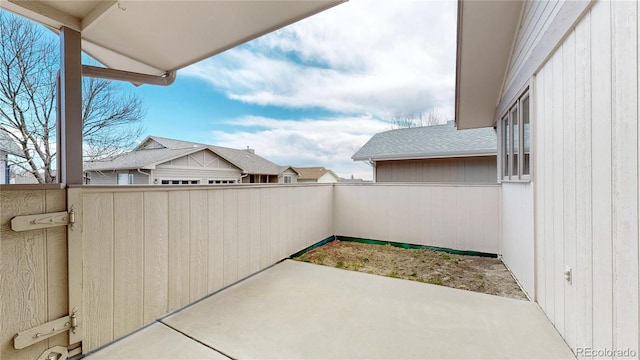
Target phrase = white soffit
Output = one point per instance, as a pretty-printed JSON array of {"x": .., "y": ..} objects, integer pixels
[
  {"x": 154, "y": 37},
  {"x": 485, "y": 34}
]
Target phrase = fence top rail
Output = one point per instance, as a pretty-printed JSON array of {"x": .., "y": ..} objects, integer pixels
[
  {"x": 146, "y": 188},
  {"x": 10, "y": 187},
  {"x": 415, "y": 184}
]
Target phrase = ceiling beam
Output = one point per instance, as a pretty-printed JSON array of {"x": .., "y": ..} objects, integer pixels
[
  {"x": 43, "y": 13},
  {"x": 94, "y": 16}
]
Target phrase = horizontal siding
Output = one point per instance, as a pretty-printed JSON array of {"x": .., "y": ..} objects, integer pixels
[
  {"x": 202, "y": 174},
  {"x": 463, "y": 217},
  {"x": 149, "y": 251},
  {"x": 586, "y": 188},
  {"x": 451, "y": 170}
]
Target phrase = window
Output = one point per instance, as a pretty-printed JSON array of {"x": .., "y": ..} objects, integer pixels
[
  {"x": 180, "y": 182},
  {"x": 287, "y": 179},
  {"x": 218, "y": 182},
  {"x": 125, "y": 179},
  {"x": 515, "y": 141}
]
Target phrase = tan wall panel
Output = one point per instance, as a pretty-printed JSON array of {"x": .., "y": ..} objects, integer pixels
[
  {"x": 33, "y": 270},
  {"x": 156, "y": 255},
  {"x": 199, "y": 250},
  {"x": 179, "y": 249},
  {"x": 98, "y": 271},
  {"x": 128, "y": 262}
]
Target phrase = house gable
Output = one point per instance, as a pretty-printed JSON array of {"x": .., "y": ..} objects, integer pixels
[
  {"x": 150, "y": 144},
  {"x": 201, "y": 159}
]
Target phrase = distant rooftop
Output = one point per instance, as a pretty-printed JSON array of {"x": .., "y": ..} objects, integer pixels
[
  {"x": 8, "y": 144},
  {"x": 313, "y": 173},
  {"x": 437, "y": 141},
  {"x": 155, "y": 150}
]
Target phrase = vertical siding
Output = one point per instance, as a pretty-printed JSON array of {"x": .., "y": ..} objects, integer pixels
[
  {"x": 586, "y": 180},
  {"x": 148, "y": 251},
  {"x": 516, "y": 239},
  {"x": 464, "y": 217},
  {"x": 33, "y": 269}
]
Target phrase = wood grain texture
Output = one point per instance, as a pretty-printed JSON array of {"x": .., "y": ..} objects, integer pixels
[
  {"x": 624, "y": 19},
  {"x": 98, "y": 269},
  {"x": 216, "y": 240},
  {"x": 156, "y": 255},
  {"x": 230, "y": 236},
  {"x": 128, "y": 228},
  {"x": 244, "y": 223},
  {"x": 179, "y": 249},
  {"x": 558, "y": 190},
  {"x": 583, "y": 271},
  {"x": 601, "y": 186},
  {"x": 57, "y": 276},
  {"x": 199, "y": 249},
  {"x": 586, "y": 208},
  {"x": 23, "y": 285},
  {"x": 569, "y": 181}
]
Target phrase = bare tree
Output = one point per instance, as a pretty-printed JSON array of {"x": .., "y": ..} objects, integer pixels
[
  {"x": 28, "y": 84},
  {"x": 401, "y": 120}
]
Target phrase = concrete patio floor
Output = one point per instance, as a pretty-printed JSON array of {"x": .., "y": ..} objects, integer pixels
[{"x": 302, "y": 311}]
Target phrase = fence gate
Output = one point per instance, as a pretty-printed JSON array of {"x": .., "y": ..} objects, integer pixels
[{"x": 42, "y": 272}]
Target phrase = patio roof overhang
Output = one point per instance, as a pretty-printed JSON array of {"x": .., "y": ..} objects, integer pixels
[
  {"x": 158, "y": 37},
  {"x": 485, "y": 38},
  {"x": 144, "y": 42}
]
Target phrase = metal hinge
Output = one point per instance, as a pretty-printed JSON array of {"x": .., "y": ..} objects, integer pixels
[
  {"x": 45, "y": 331},
  {"x": 43, "y": 221}
]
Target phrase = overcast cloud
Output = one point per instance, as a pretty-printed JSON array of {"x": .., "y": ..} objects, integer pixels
[{"x": 364, "y": 59}]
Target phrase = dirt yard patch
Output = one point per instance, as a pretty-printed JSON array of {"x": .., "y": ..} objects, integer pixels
[{"x": 481, "y": 274}]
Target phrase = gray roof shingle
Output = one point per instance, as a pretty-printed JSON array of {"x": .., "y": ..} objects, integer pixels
[
  {"x": 146, "y": 158},
  {"x": 437, "y": 141},
  {"x": 8, "y": 144}
]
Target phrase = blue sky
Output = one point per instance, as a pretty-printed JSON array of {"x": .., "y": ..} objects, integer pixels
[{"x": 313, "y": 93}]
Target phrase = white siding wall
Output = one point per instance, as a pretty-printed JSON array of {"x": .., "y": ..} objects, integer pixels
[
  {"x": 151, "y": 250},
  {"x": 516, "y": 240},
  {"x": 586, "y": 180},
  {"x": 464, "y": 217},
  {"x": 536, "y": 18}
]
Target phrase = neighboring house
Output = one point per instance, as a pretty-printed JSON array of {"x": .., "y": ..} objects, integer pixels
[
  {"x": 433, "y": 154},
  {"x": 316, "y": 175},
  {"x": 568, "y": 72},
  {"x": 7, "y": 147},
  {"x": 165, "y": 161}
]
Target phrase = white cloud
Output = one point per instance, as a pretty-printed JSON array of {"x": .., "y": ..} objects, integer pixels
[
  {"x": 359, "y": 57},
  {"x": 324, "y": 142}
]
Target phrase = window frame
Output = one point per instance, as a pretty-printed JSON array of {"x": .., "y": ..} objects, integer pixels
[
  {"x": 511, "y": 162},
  {"x": 129, "y": 178},
  {"x": 287, "y": 177}
]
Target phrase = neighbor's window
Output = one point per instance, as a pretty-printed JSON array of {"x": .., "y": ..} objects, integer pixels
[
  {"x": 515, "y": 142},
  {"x": 287, "y": 179},
  {"x": 180, "y": 182},
  {"x": 125, "y": 179}
]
